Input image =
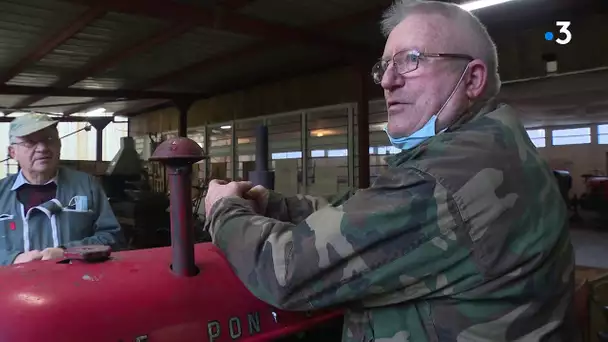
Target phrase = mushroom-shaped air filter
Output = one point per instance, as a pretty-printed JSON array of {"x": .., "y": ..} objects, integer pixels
[{"x": 178, "y": 151}]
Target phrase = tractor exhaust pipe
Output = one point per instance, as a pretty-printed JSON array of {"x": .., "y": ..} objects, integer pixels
[
  {"x": 261, "y": 175},
  {"x": 178, "y": 155}
]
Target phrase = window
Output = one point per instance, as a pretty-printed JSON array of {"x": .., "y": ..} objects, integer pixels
[
  {"x": 382, "y": 150},
  {"x": 572, "y": 136},
  {"x": 537, "y": 136},
  {"x": 337, "y": 153},
  {"x": 317, "y": 153},
  {"x": 287, "y": 155},
  {"x": 602, "y": 134}
]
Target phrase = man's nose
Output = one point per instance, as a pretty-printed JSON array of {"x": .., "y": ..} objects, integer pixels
[
  {"x": 42, "y": 147},
  {"x": 391, "y": 78}
]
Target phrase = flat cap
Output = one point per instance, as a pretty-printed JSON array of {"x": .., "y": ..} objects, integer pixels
[{"x": 28, "y": 124}]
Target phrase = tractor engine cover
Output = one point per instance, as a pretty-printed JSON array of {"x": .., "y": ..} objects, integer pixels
[{"x": 134, "y": 296}]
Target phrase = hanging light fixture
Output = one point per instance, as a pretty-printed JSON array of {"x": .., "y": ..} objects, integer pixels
[{"x": 475, "y": 5}]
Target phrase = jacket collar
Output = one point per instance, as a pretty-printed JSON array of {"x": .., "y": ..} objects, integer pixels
[{"x": 20, "y": 180}]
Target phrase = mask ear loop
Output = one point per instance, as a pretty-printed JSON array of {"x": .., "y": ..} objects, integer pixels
[
  {"x": 449, "y": 98},
  {"x": 71, "y": 202}
]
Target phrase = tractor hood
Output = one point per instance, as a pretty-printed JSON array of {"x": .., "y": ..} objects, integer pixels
[{"x": 134, "y": 296}]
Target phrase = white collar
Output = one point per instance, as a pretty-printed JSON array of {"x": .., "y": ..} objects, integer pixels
[{"x": 20, "y": 180}]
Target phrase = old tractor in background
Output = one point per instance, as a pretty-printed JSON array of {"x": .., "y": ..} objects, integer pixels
[
  {"x": 186, "y": 292},
  {"x": 595, "y": 197},
  {"x": 592, "y": 205}
]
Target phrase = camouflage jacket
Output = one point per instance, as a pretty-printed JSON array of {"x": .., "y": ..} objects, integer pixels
[{"x": 464, "y": 238}]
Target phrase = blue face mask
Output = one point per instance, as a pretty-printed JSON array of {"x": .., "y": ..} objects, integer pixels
[
  {"x": 427, "y": 131},
  {"x": 416, "y": 138}
]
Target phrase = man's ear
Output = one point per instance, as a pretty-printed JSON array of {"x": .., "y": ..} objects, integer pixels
[{"x": 477, "y": 79}]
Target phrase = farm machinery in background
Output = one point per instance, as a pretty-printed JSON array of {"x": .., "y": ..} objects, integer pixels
[{"x": 592, "y": 205}]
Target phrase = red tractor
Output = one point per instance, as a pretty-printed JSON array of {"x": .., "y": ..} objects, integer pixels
[
  {"x": 186, "y": 292},
  {"x": 595, "y": 197}
]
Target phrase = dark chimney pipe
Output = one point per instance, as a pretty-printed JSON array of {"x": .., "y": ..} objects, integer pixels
[{"x": 261, "y": 175}]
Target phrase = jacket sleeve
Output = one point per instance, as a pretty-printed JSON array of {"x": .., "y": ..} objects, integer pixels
[
  {"x": 292, "y": 209},
  {"x": 8, "y": 257},
  {"x": 396, "y": 241},
  {"x": 107, "y": 228}
]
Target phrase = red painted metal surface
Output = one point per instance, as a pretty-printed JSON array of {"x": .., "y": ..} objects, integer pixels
[
  {"x": 598, "y": 185},
  {"x": 182, "y": 234},
  {"x": 135, "y": 294}
]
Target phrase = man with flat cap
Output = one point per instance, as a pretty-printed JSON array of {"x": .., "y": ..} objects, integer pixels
[{"x": 46, "y": 208}]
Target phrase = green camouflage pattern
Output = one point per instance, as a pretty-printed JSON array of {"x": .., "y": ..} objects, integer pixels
[{"x": 464, "y": 238}]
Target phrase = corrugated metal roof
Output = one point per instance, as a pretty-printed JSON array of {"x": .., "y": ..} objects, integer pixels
[
  {"x": 108, "y": 83},
  {"x": 54, "y": 104},
  {"x": 24, "y": 24},
  {"x": 257, "y": 67},
  {"x": 191, "y": 47},
  {"x": 35, "y": 78},
  {"x": 113, "y": 32},
  {"x": 304, "y": 13}
]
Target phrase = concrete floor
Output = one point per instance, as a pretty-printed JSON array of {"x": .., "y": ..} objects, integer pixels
[{"x": 590, "y": 246}]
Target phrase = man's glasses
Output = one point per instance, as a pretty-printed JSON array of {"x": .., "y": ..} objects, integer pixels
[
  {"x": 408, "y": 61},
  {"x": 48, "y": 141}
]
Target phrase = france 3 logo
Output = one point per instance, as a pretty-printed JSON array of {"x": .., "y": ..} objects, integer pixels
[{"x": 564, "y": 35}]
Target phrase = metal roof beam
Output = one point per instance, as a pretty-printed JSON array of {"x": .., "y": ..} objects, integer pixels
[
  {"x": 109, "y": 94},
  {"x": 62, "y": 118}
]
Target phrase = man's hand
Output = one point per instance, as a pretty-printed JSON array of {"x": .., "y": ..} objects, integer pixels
[
  {"x": 28, "y": 256},
  {"x": 52, "y": 253},
  {"x": 259, "y": 195},
  {"x": 219, "y": 189}
]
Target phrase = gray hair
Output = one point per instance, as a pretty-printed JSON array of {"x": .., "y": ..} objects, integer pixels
[{"x": 483, "y": 47}]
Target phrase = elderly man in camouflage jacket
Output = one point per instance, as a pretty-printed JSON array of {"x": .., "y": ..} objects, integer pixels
[{"x": 464, "y": 238}]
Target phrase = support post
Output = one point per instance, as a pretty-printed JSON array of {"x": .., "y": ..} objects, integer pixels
[
  {"x": 183, "y": 105},
  {"x": 99, "y": 124},
  {"x": 363, "y": 128},
  {"x": 305, "y": 152}
]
